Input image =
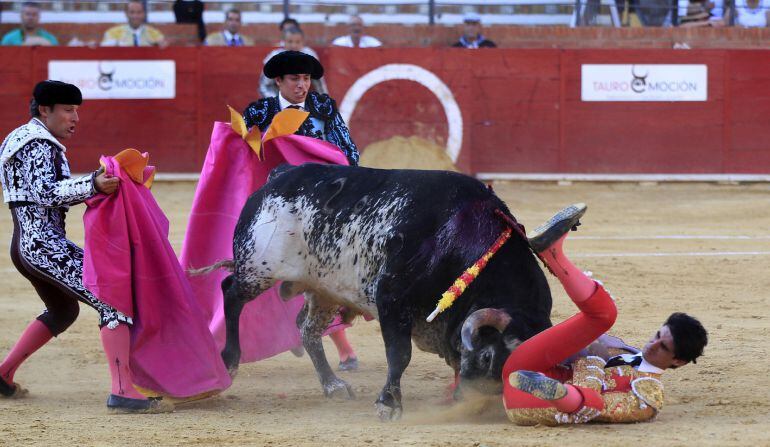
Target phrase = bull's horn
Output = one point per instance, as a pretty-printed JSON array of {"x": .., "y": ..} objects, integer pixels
[{"x": 498, "y": 319}]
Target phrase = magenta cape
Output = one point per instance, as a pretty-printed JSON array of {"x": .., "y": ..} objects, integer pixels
[
  {"x": 130, "y": 265},
  {"x": 231, "y": 173}
]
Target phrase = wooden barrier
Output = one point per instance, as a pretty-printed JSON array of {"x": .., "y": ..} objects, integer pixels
[{"x": 520, "y": 110}]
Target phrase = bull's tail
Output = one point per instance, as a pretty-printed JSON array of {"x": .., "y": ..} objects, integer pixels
[{"x": 227, "y": 264}]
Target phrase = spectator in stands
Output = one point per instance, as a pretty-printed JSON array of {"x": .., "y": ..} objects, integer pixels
[
  {"x": 135, "y": 33},
  {"x": 356, "y": 38},
  {"x": 288, "y": 22},
  {"x": 697, "y": 15},
  {"x": 472, "y": 37},
  {"x": 191, "y": 11},
  {"x": 661, "y": 12},
  {"x": 747, "y": 13},
  {"x": 29, "y": 33},
  {"x": 293, "y": 40},
  {"x": 230, "y": 36}
]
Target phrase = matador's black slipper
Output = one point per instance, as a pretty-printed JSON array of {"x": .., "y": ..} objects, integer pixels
[
  {"x": 11, "y": 391},
  {"x": 537, "y": 384},
  {"x": 351, "y": 364},
  {"x": 153, "y": 405},
  {"x": 563, "y": 221}
]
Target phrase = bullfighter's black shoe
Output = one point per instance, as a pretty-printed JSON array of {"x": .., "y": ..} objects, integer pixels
[
  {"x": 153, "y": 405},
  {"x": 538, "y": 385},
  {"x": 565, "y": 220},
  {"x": 351, "y": 364},
  {"x": 11, "y": 391}
]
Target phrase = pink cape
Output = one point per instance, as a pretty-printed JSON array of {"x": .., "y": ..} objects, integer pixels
[
  {"x": 130, "y": 265},
  {"x": 231, "y": 173}
]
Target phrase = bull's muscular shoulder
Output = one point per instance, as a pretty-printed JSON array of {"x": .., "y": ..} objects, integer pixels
[{"x": 321, "y": 105}]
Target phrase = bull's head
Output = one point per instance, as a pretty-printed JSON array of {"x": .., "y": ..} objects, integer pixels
[{"x": 485, "y": 346}]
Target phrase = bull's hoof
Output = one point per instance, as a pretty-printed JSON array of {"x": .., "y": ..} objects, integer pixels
[
  {"x": 386, "y": 413},
  {"x": 338, "y": 389},
  {"x": 457, "y": 394},
  {"x": 231, "y": 363}
]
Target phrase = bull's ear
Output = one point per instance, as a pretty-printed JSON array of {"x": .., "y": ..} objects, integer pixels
[{"x": 511, "y": 342}]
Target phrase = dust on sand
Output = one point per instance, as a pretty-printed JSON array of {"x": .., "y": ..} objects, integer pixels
[{"x": 723, "y": 400}]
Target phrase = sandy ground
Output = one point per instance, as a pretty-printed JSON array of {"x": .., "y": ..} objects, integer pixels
[
  {"x": 406, "y": 152},
  {"x": 723, "y": 400}
]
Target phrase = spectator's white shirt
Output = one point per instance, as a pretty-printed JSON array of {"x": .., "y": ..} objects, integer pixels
[
  {"x": 228, "y": 36},
  {"x": 751, "y": 17},
  {"x": 366, "y": 42}
]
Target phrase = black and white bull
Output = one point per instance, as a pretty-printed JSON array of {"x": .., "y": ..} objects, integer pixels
[{"x": 389, "y": 243}]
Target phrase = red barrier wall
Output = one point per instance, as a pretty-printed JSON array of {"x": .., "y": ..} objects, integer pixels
[{"x": 521, "y": 109}]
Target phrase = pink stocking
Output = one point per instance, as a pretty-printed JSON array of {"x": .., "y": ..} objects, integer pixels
[
  {"x": 578, "y": 286},
  {"x": 344, "y": 349},
  {"x": 569, "y": 403},
  {"x": 33, "y": 338},
  {"x": 117, "y": 343}
]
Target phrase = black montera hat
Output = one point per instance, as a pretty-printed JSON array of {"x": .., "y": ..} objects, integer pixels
[
  {"x": 48, "y": 93},
  {"x": 293, "y": 62}
]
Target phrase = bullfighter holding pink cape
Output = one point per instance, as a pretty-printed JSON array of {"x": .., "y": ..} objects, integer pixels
[
  {"x": 130, "y": 264},
  {"x": 179, "y": 326},
  {"x": 231, "y": 173}
]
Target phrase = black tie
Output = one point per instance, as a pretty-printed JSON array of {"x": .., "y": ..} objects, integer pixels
[
  {"x": 294, "y": 106},
  {"x": 625, "y": 359}
]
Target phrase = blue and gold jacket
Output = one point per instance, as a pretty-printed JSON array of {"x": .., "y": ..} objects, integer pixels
[{"x": 323, "y": 123}]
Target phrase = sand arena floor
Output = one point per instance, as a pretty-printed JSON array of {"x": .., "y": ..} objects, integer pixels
[{"x": 704, "y": 249}]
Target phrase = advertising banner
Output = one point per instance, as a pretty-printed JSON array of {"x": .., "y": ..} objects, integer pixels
[
  {"x": 655, "y": 82},
  {"x": 118, "y": 79}
]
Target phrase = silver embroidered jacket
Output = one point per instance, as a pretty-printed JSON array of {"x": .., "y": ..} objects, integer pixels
[{"x": 35, "y": 169}]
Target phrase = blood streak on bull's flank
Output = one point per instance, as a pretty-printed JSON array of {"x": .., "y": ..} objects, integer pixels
[{"x": 409, "y": 72}]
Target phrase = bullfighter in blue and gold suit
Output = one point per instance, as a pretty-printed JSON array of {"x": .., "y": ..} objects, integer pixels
[{"x": 293, "y": 71}]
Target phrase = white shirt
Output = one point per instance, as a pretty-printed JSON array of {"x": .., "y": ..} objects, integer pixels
[
  {"x": 646, "y": 367},
  {"x": 229, "y": 36},
  {"x": 284, "y": 103},
  {"x": 138, "y": 34},
  {"x": 751, "y": 17},
  {"x": 366, "y": 42}
]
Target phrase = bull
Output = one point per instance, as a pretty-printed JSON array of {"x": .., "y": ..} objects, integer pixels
[{"x": 388, "y": 243}]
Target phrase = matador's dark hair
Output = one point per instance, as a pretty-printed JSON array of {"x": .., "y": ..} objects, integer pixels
[{"x": 690, "y": 337}]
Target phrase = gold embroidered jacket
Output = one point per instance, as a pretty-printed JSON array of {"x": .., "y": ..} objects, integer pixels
[{"x": 628, "y": 395}]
